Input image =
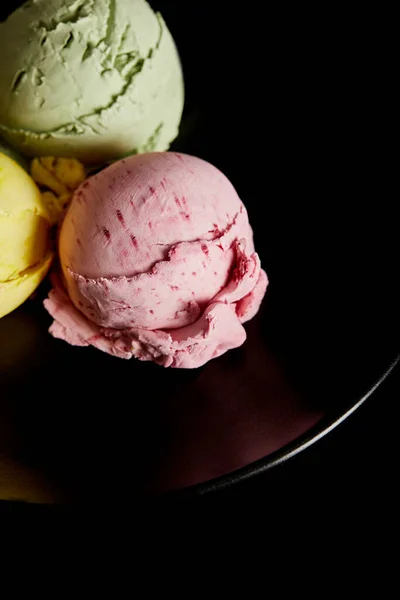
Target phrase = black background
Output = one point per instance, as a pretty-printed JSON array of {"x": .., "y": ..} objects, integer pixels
[{"x": 304, "y": 100}]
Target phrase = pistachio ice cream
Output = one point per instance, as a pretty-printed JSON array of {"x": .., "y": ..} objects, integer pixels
[{"x": 89, "y": 79}]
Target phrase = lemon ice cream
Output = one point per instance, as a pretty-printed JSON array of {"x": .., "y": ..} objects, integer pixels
[
  {"x": 58, "y": 178},
  {"x": 25, "y": 253}
]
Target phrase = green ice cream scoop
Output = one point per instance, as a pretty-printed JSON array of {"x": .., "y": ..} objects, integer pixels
[{"x": 90, "y": 79}]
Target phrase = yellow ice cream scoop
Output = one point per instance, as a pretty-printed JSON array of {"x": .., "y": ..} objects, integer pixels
[
  {"x": 25, "y": 222},
  {"x": 58, "y": 178}
]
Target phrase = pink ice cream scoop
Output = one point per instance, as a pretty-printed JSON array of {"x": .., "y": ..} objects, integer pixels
[{"x": 157, "y": 262}]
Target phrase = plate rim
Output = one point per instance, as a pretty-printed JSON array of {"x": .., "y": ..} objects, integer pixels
[{"x": 323, "y": 427}]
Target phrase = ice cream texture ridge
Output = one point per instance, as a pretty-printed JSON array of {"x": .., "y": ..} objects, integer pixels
[
  {"x": 58, "y": 178},
  {"x": 157, "y": 262},
  {"x": 93, "y": 80}
]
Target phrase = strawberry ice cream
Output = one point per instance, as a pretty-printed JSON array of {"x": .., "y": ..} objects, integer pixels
[{"x": 157, "y": 262}]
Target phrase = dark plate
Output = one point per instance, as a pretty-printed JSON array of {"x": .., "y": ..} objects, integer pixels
[{"x": 295, "y": 120}]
